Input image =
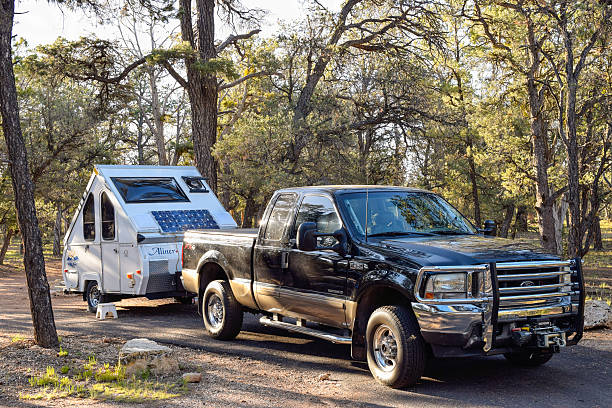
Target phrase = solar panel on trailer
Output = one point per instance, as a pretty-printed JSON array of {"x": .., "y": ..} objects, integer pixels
[{"x": 181, "y": 220}]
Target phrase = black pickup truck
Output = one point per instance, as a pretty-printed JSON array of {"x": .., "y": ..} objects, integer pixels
[{"x": 397, "y": 273}]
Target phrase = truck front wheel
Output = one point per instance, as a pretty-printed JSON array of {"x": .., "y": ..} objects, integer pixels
[
  {"x": 395, "y": 348},
  {"x": 221, "y": 311},
  {"x": 528, "y": 358}
]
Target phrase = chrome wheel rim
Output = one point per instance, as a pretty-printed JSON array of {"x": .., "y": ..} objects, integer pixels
[
  {"x": 385, "y": 348},
  {"x": 94, "y": 296},
  {"x": 214, "y": 308}
]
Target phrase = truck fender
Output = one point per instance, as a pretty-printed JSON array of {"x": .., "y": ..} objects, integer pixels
[
  {"x": 216, "y": 257},
  {"x": 211, "y": 257},
  {"x": 379, "y": 287}
]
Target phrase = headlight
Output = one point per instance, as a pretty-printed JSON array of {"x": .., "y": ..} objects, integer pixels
[{"x": 447, "y": 286}]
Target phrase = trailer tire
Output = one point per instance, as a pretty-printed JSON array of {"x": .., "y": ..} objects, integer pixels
[
  {"x": 93, "y": 296},
  {"x": 221, "y": 312},
  {"x": 528, "y": 358},
  {"x": 395, "y": 348}
]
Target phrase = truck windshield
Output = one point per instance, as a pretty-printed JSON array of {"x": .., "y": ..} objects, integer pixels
[
  {"x": 149, "y": 189},
  {"x": 397, "y": 213}
]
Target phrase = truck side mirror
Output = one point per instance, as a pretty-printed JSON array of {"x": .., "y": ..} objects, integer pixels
[
  {"x": 307, "y": 239},
  {"x": 490, "y": 228}
]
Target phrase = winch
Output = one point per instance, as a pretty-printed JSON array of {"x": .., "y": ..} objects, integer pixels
[{"x": 545, "y": 334}]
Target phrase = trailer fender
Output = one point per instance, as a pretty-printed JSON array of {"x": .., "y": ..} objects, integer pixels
[{"x": 86, "y": 277}]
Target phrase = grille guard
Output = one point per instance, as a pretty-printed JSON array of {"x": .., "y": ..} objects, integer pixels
[{"x": 489, "y": 291}]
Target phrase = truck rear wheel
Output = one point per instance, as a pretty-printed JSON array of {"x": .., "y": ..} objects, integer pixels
[
  {"x": 93, "y": 296},
  {"x": 529, "y": 358},
  {"x": 221, "y": 312},
  {"x": 395, "y": 348}
]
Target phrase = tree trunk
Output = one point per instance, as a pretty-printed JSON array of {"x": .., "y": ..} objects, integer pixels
[
  {"x": 249, "y": 213},
  {"x": 560, "y": 210},
  {"x": 473, "y": 182},
  {"x": 202, "y": 87},
  {"x": 520, "y": 223},
  {"x": 45, "y": 333},
  {"x": 544, "y": 202},
  {"x": 597, "y": 241},
  {"x": 158, "y": 124},
  {"x": 57, "y": 231},
  {"x": 505, "y": 227},
  {"x": 7, "y": 242}
]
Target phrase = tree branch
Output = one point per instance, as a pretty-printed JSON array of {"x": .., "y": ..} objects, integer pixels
[
  {"x": 182, "y": 81},
  {"x": 247, "y": 77},
  {"x": 233, "y": 38}
]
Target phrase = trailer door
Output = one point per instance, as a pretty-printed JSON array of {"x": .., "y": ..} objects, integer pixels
[{"x": 111, "y": 278}]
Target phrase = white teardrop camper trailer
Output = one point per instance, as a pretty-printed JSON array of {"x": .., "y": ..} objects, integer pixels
[{"x": 125, "y": 239}]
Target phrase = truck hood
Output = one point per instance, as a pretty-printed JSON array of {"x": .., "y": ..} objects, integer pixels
[{"x": 459, "y": 250}]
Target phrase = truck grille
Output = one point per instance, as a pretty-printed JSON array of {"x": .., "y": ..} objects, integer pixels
[{"x": 534, "y": 284}]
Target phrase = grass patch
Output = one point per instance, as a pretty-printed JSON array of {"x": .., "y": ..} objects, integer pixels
[
  {"x": 17, "y": 339},
  {"x": 101, "y": 383},
  {"x": 62, "y": 352}
]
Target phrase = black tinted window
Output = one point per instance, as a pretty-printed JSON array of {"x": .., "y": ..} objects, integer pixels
[
  {"x": 108, "y": 218},
  {"x": 150, "y": 189},
  {"x": 89, "y": 219},
  {"x": 279, "y": 216}
]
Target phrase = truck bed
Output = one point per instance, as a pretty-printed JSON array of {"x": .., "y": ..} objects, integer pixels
[{"x": 238, "y": 232}]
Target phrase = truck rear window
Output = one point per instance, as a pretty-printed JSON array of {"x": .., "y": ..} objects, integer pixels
[{"x": 149, "y": 189}]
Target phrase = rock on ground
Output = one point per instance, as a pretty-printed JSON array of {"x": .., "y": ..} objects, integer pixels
[
  {"x": 138, "y": 355},
  {"x": 192, "y": 377},
  {"x": 597, "y": 313}
]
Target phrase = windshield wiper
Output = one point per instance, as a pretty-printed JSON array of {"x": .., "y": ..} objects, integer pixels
[
  {"x": 398, "y": 233},
  {"x": 449, "y": 232}
]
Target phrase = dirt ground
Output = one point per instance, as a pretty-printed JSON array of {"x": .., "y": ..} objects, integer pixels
[{"x": 266, "y": 367}]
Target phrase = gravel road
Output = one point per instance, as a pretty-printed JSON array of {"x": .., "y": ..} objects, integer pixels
[{"x": 579, "y": 377}]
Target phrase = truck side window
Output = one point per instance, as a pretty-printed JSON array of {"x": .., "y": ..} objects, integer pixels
[
  {"x": 89, "y": 219},
  {"x": 279, "y": 216},
  {"x": 320, "y": 210},
  {"x": 108, "y": 218}
]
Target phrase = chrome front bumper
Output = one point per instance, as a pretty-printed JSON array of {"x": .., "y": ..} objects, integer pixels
[{"x": 466, "y": 322}]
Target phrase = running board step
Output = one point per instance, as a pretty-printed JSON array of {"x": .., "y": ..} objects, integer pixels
[{"x": 266, "y": 321}]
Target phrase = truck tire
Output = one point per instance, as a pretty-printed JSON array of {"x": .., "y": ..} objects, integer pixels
[
  {"x": 93, "y": 296},
  {"x": 529, "y": 358},
  {"x": 221, "y": 312},
  {"x": 395, "y": 348}
]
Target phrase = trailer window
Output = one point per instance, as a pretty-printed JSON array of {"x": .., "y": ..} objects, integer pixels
[
  {"x": 149, "y": 189},
  {"x": 108, "y": 218},
  {"x": 89, "y": 219}
]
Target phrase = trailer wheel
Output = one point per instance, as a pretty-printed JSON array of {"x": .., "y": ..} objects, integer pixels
[
  {"x": 395, "y": 348},
  {"x": 93, "y": 296},
  {"x": 528, "y": 358},
  {"x": 221, "y": 312}
]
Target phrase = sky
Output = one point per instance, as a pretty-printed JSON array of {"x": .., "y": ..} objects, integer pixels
[{"x": 42, "y": 23}]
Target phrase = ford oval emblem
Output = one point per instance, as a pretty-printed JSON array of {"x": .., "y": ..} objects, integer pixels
[{"x": 525, "y": 284}]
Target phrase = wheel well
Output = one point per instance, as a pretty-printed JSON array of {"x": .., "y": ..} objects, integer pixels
[
  {"x": 371, "y": 300},
  {"x": 208, "y": 273},
  {"x": 85, "y": 283}
]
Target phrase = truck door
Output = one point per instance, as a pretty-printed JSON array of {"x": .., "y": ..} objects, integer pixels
[
  {"x": 111, "y": 278},
  {"x": 315, "y": 281},
  {"x": 271, "y": 251}
]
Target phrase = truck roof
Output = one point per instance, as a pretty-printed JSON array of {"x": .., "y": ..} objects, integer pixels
[{"x": 350, "y": 187}]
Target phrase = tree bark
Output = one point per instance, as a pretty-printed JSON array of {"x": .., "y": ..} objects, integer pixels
[
  {"x": 544, "y": 202},
  {"x": 597, "y": 240},
  {"x": 202, "y": 87},
  {"x": 158, "y": 124},
  {"x": 505, "y": 227},
  {"x": 45, "y": 333},
  {"x": 57, "y": 231},
  {"x": 6, "y": 243},
  {"x": 249, "y": 213}
]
